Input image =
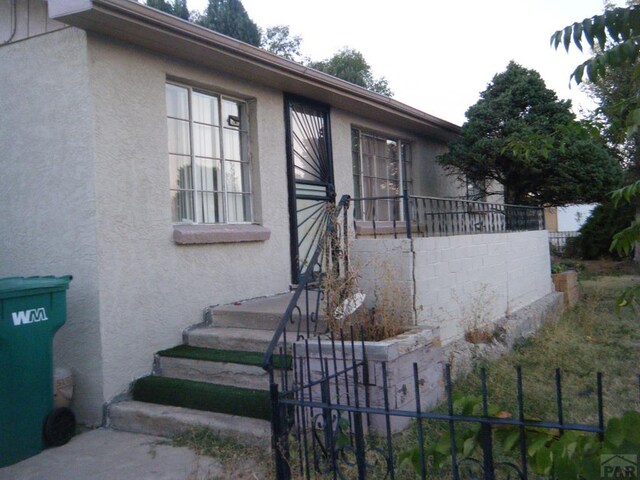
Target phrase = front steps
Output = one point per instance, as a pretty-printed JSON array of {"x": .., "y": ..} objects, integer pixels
[
  {"x": 169, "y": 421},
  {"x": 214, "y": 380}
]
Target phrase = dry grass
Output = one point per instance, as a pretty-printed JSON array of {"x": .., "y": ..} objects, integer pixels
[
  {"x": 239, "y": 462},
  {"x": 386, "y": 313},
  {"x": 588, "y": 339}
]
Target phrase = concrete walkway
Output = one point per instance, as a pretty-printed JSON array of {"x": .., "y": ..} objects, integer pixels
[{"x": 105, "y": 454}]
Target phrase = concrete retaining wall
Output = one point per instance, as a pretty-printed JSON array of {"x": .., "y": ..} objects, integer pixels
[
  {"x": 462, "y": 282},
  {"x": 418, "y": 345}
]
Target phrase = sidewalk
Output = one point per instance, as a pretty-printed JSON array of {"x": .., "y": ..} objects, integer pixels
[{"x": 105, "y": 454}]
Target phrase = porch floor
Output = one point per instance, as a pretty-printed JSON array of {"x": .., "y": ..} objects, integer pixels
[{"x": 264, "y": 313}]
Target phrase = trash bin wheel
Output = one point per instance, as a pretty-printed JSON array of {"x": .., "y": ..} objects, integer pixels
[{"x": 59, "y": 427}]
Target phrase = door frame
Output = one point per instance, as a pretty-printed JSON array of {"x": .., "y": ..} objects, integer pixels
[{"x": 290, "y": 99}]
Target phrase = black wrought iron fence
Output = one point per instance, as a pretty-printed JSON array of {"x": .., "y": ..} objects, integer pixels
[
  {"x": 326, "y": 425},
  {"x": 411, "y": 215},
  {"x": 558, "y": 240}
]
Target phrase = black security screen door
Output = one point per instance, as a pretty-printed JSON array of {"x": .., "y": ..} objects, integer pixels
[{"x": 310, "y": 178}]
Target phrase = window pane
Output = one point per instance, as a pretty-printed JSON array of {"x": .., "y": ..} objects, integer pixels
[
  {"x": 369, "y": 145},
  {"x": 391, "y": 150},
  {"x": 382, "y": 187},
  {"x": 369, "y": 187},
  {"x": 232, "y": 147},
  {"x": 182, "y": 206},
  {"x": 238, "y": 208},
  {"x": 235, "y": 111},
  {"x": 205, "y": 108},
  {"x": 180, "y": 172},
  {"x": 178, "y": 136},
  {"x": 393, "y": 188},
  {"x": 234, "y": 173},
  {"x": 407, "y": 176},
  {"x": 206, "y": 141},
  {"x": 207, "y": 174},
  {"x": 367, "y": 164},
  {"x": 381, "y": 167},
  {"x": 393, "y": 170},
  {"x": 177, "y": 102},
  {"x": 210, "y": 205}
]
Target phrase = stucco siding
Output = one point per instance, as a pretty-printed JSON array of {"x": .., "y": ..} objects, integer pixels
[
  {"x": 27, "y": 19},
  {"x": 48, "y": 222},
  {"x": 152, "y": 288}
]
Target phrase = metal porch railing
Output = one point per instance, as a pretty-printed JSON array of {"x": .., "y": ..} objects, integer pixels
[{"x": 407, "y": 216}]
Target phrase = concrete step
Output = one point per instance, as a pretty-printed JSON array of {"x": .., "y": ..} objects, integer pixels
[
  {"x": 266, "y": 313},
  {"x": 169, "y": 421},
  {"x": 224, "y": 373},
  {"x": 209, "y": 397},
  {"x": 240, "y": 339}
]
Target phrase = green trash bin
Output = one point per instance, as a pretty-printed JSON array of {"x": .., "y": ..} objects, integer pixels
[{"x": 32, "y": 309}]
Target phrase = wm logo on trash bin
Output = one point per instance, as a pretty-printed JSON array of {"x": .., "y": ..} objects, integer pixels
[{"x": 29, "y": 316}]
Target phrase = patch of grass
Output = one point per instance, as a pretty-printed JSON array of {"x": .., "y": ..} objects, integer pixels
[
  {"x": 588, "y": 339},
  {"x": 241, "y": 461}
]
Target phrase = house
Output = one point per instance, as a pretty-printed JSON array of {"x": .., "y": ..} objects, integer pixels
[{"x": 169, "y": 168}]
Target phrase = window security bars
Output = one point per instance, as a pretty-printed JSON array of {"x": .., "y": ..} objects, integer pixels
[
  {"x": 417, "y": 216},
  {"x": 323, "y": 424}
]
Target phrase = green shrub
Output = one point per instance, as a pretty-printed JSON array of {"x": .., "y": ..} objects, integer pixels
[{"x": 597, "y": 232}]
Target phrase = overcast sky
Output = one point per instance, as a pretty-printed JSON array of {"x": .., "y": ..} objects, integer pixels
[{"x": 437, "y": 55}]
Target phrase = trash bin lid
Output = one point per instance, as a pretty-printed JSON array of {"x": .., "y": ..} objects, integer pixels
[{"x": 11, "y": 287}]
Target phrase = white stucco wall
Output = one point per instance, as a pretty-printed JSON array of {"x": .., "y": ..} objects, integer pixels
[
  {"x": 31, "y": 20},
  {"x": 461, "y": 280},
  {"x": 48, "y": 223},
  {"x": 152, "y": 288}
]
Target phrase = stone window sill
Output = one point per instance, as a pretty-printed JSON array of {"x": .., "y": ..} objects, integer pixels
[{"x": 205, "y": 234}]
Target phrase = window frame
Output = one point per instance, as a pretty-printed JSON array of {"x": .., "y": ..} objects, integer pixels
[
  {"x": 244, "y": 131},
  {"x": 405, "y": 181}
]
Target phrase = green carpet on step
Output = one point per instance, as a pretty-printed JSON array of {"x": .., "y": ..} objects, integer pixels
[
  {"x": 228, "y": 356},
  {"x": 210, "y": 397}
]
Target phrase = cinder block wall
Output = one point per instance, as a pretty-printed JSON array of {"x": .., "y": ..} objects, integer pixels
[{"x": 460, "y": 282}]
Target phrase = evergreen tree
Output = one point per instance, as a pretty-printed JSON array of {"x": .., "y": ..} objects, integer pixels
[
  {"x": 230, "y": 18},
  {"x": 521, "y": 136},
  {"x": 278, "y": 40},
  {"x": 350, "y": 65},
  {"x": 174, "y": 7}
]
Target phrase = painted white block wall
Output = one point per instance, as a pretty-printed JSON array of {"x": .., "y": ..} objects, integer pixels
[{"x": 457, "y": 280}]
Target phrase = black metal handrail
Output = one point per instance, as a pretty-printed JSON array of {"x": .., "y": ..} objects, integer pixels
[
  {"x": 424, "y": 216},
  {"x": 308, "y": 277}
]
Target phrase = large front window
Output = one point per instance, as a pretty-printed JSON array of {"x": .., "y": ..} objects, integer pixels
[
  {"x": 381, "y": 168},
  {"x": 208, "y": 155}
]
